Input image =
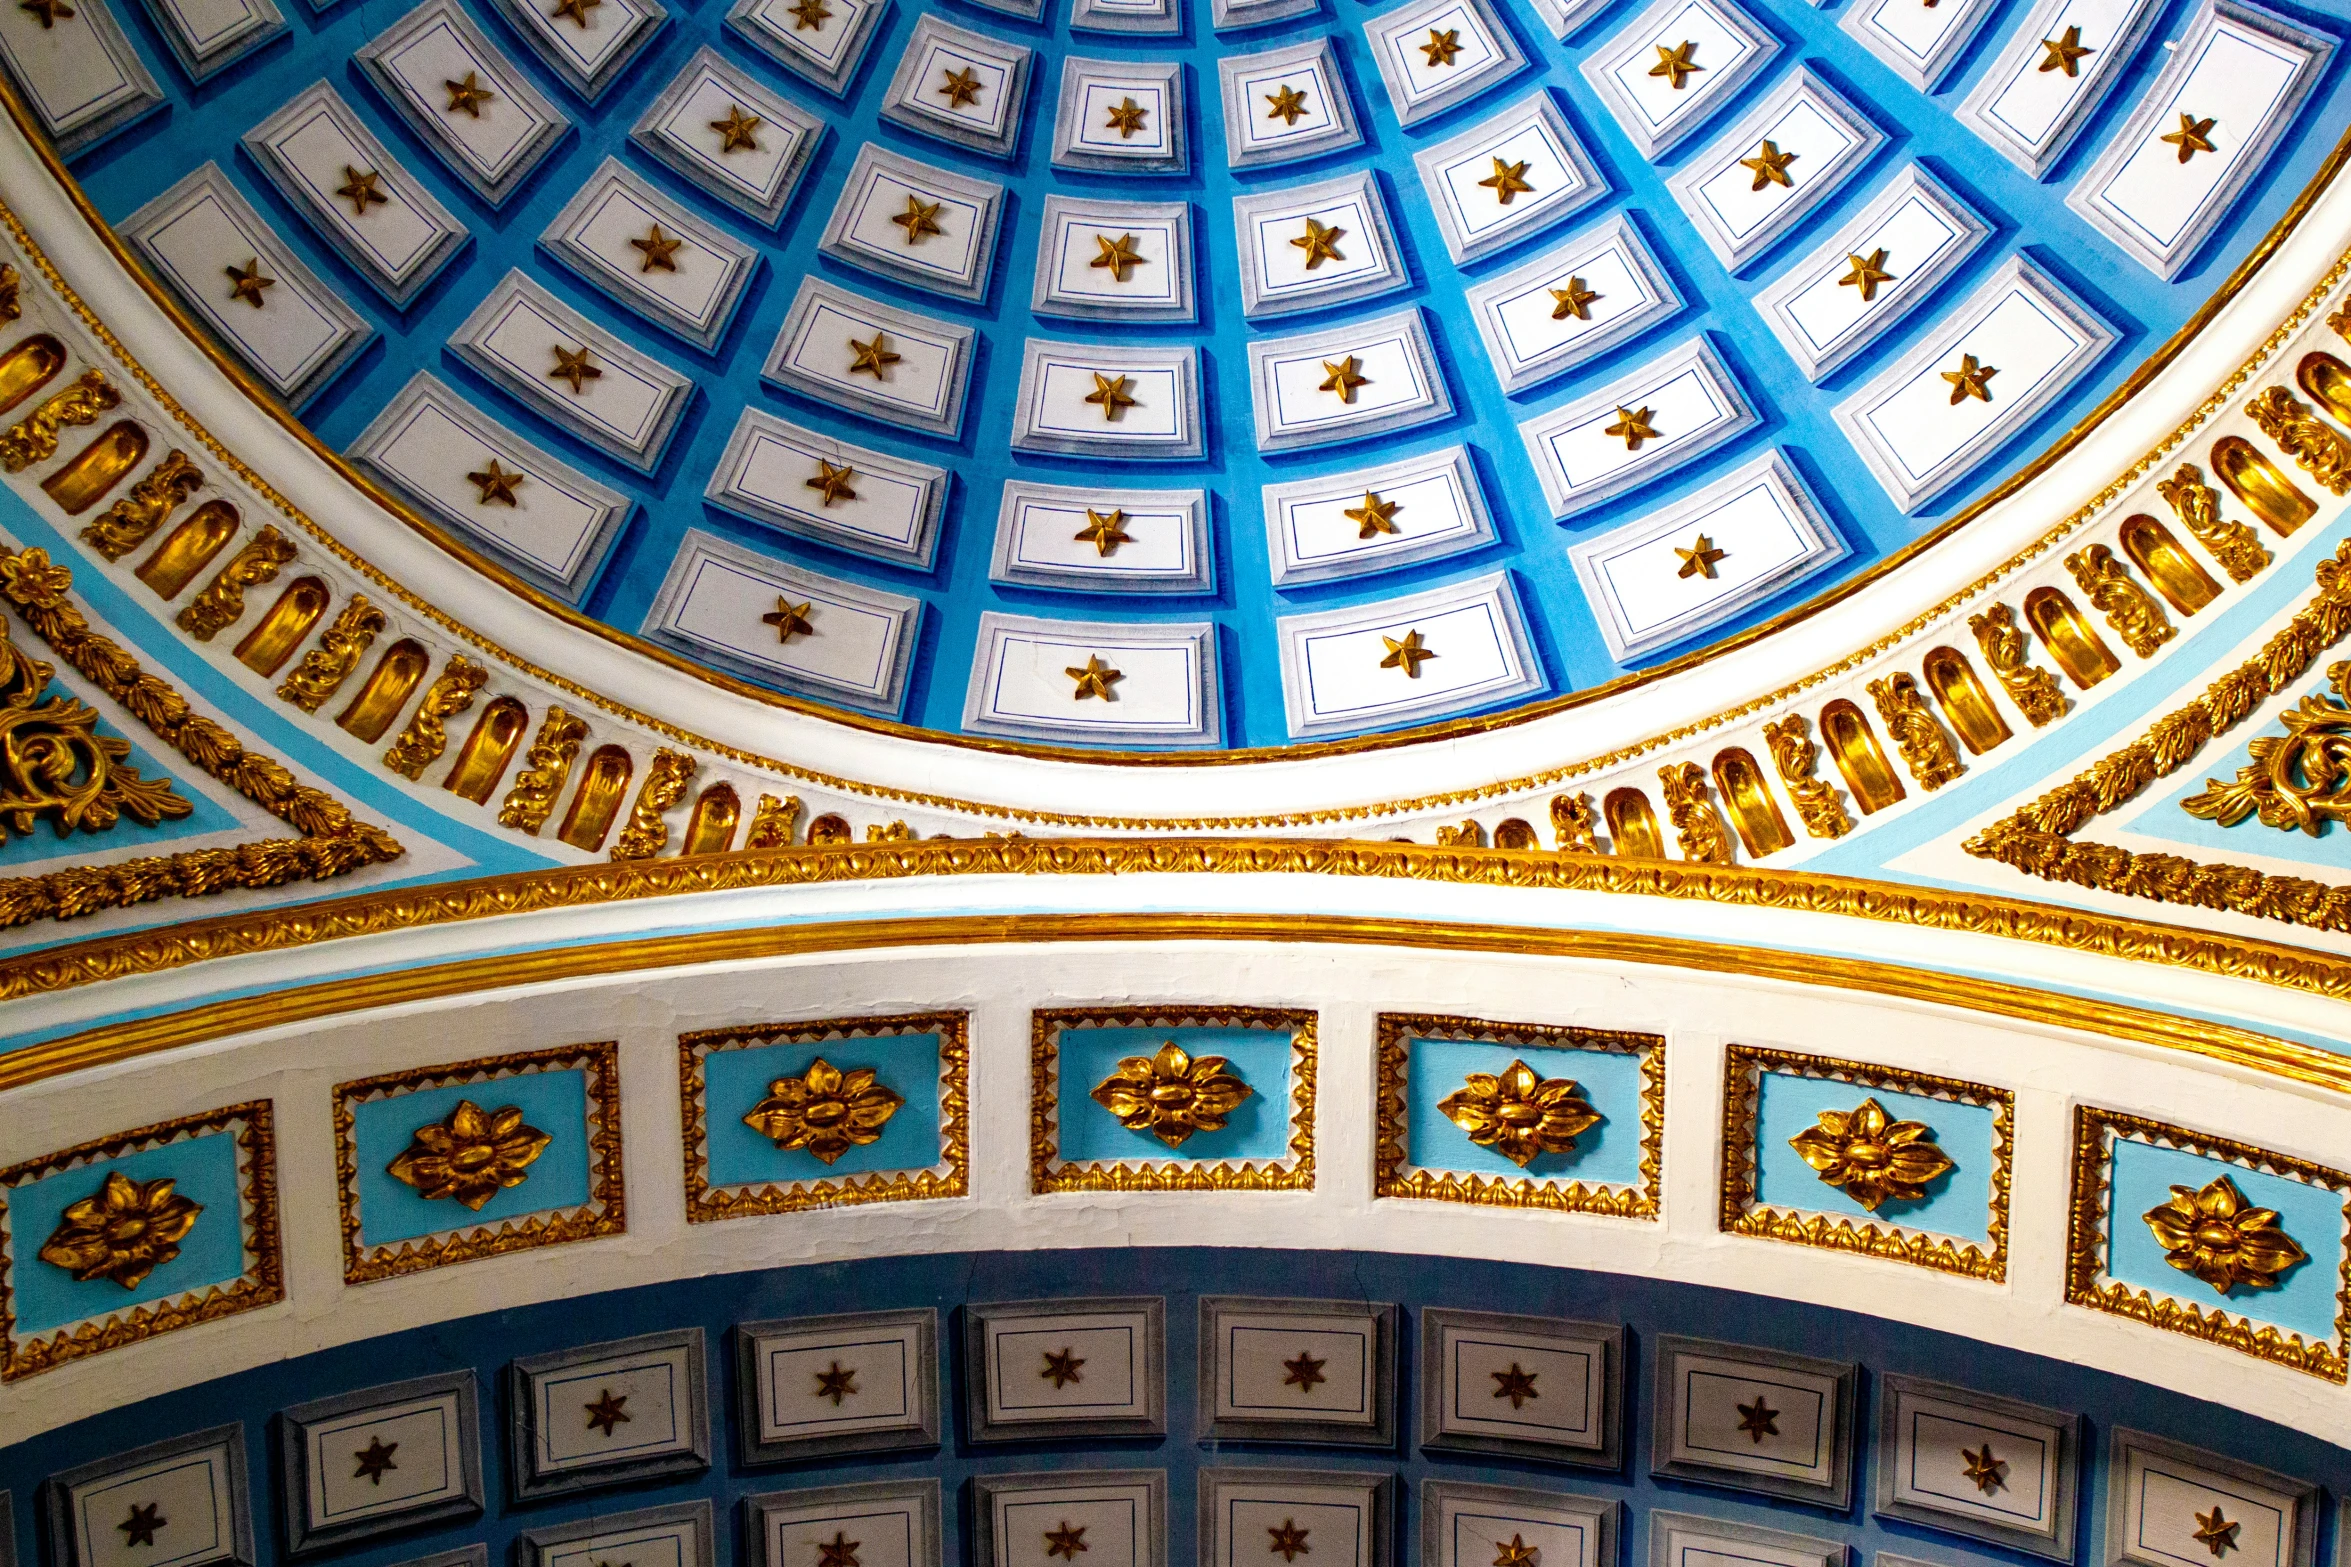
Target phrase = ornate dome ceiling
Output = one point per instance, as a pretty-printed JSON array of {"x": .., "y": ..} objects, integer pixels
[{"x": 1134, "y": 375}]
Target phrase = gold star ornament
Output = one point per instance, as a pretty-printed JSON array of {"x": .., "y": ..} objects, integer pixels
[
  {"x": 1759, "y": 1420},
  {"x": 840, "y": 1550},
  {"x": 1770, "y": 165},
  {"x": 2212, "y": 1233},
  {"x": 47, "y": 12},
  {"x": 1289, "y": 1541},
  {"x": 1507, "y": 180},
  {"x": 1171, "y": 1094},
  {"x": 738, "y": 131},
  {"x": 2063, "y": 51},
  {"x": 1117, "y": 256},
  {"x": 1304, "y": 1373},
  {"x": 470, "y": 1154},
  {"x": 140, "y": 1528},
  {"x": 1867, "y": 273},
  {"x": 658, "y": 250},
  {"x": 872, "y": 358},
  {"x": 1442, "y": 46},
  {"x": 495, "y": 484},
  {"x": 920, "y": 218},
  {"x": 359, "y": 189},
  {"x": 2193, "y": 136},
  {"x": 1288, "y": 103},
  {"x": 1517, "y": 1384},
  {"x": 577, "y": 10},
  {"x": 1517, "y": 1553},
  {"x": 1061, "y": 1367},
  {"x": 1343, "y": 377},
  {"x": 1970, "y": 380},
  {"x": 837, "y": 1382},
  {"x": 1374, "y": 516},
  {"x": 1126, "y": 119},
  {"x": 833, "y": 481},
  {"x": 1104, "y": 532},
  {"x": 809, "y": 16},
  {"x": 608, "y": 1414},
  {"x": 1110, "y": 394},
  {"x": 123, "y": 1231},
  {"x": 1407, "y": 655},
  {"x": 1675, "y": 64},
  {"x": 961, "y": 88},
  {"x": 789, "y": 619},
  {"x": 246, "y": 282},
  {"x": 1700, "y": 558},
  {"x": 1066, "y": 1541},
  {"x": 573, "y": 367},
  {"x": 1574, "y": 300},
  {"x": 1320, "y": 244},
  {"x": 1519, "y": 1113},
  {"x": 824, "y": 1111},
  {"x": 2216, "y": 1533},
  {"x": 1093, "y": 680},
  {"x": 1987, "y": 1473},
  {"x": 1871, "y": 1157},
  {"x": 468, "y": 96},
  {"x": 375, "y": 1460},
  {"x": 1631, "y": 426}
]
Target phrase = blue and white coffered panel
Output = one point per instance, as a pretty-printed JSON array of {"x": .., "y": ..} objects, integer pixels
[
  {"x": 871, "y": 358},
  {"x": 1668, "y": 70},
  {"x": 1120, "y": 117},
  {"x": 1130, "y": 400},
  {"x": 590, "y": 57},
  {"x": 1661, "y": 415},
  {"x": 824, "y": 51},
  {"x": 1433, "y": 54},
  {"x": 1364, "y": 520},
  {"x": 1250, "y": 1517},
  {"x": 859, "y": 1383},
  {"x": 1107, "y": 260},
  {"x": 1068, "y": 1368},
  {"x": 1413, "y": 656},
  {"x": 1115, "y": 541},
  {"x": 494, "y": 144},
  {"x": 675, "y": 1536},
  {"x": 1116, "y": 1517},
  {"x": 183, "y": 1502},
  {"x": 1311, "y": 246},
  {"x": 697, "y": 127},
  {"x": 1920, "y": 43},
  {"x": 1095, "y": 681},
  {"x": 1346, "y": 382},
  {"x": 1692, "y": 1540},
  {"x": 1527, "y": 1387},
  {"x": 1750, "y": 1419},
  {"x": 1575, "y": 302},
  {"x": 898, "y": 1521},
  {"x": 1783, "y": 159},
  {"x": 1975, "y": 1464},
  {"x": 2168, "y": 1505},
  {"x": 611, "y": 1413},
  {"x": 1464, "y": 1525},
  {"x": 621, "y": 399},
  {"x": 1285, "y": 104},
  {"x": 652, "y": 255},
  {"x": 1320, "y": 1371},
  {"x": 960, "y": 86},
  {"x": 381, "y": 1459},
  {"x": 925, "y": 226},
  {"x": 79, "y": 73},
  {"x": 1507, "y": 178},
  {"x": 2033, "y": 101},
  {"x": 855, "y": 498}
]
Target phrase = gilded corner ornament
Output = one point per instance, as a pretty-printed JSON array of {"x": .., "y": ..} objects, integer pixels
[
  {"x": 825, "y": 1111},
  {"x": 1171, "y": 1094},
  {"x": 470, "y": 1154},
  {"x": 1871, "y": 1157},
  {"x": 2300, "y": 779},
  {"x": 2214, "y": 1234},
  {"x": 123, "y": 1231},
  {"x": 1519, "y": 1113},
  {"x": 56, "y": 767}
]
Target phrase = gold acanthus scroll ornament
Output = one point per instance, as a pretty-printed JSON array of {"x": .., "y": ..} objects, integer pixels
[
  {"x": 2301, "y": 778},
  {"x": 56, "y": 766}
]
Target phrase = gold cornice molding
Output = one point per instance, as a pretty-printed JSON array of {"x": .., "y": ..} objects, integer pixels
[
  {"x": 2140, "y": 377},
  {"x": 2220, "y": 1043}
]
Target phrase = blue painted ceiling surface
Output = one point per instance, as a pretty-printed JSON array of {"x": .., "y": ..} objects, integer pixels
[{"x": 2030, "y": 218}]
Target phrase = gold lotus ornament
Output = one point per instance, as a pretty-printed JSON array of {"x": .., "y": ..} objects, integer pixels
[
  {"x": 1172, "y": 1094},
  {"x": 824, "y": 1111},
  {"x": 1519, "y": 1113},
  {"x": 471, "y": 1154},
  {"x": 1870, "y": 1156},
  {"x": 2213, "y": 1234},
  {"x": 123, "y": 1232}
]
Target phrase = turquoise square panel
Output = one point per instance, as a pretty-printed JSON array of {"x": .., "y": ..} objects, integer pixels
[
  {"x": 205, "y": 1172},
  {"x": 1609, "y": 1080},
  {"x": 1258, "y": 1129},
  {"x": 735, "y": 1080},
  {"x": 391, "y": 1211},
  {"x": 1958, "y": 1203},
  {"x": 2304, "y": 1302}
]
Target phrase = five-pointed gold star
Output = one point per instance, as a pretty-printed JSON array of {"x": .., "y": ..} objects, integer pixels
[
  {"x": 920, "y": 218},
  {"x": 577, "y": 10},
  {"x": 1517, "y": 1384},
  {"x": 809, "y": 16},
  {"x": 1117, "y": 257},
  {"x": 873, "y": 358},
  {"x": 1441, "y": 47},
  {"x": 1065, "y": 1542},
  {"x": 1969, "y": 380},
  {"x": 1061, "y": 1369},
  {"x": 1288, "y": 103},
  {"x": 840, "y": 1550},
  {"x": 658, "y": 249},
  {"x": 1093, "y": 680},
  {"x": 1676, "y": 63},
  {"x": 1343, "y": 376},
  {"x": 496, "y": 484},
  {"x": 787, "y": 618},
  {"x": 608, "y": 1414},
  {"x": 1407, "y": 655},
  {"x": 1507, "y": 180},
  {"x": 375, "y": 1460},
  {"x": 1632, "y": 426},
  {"x": 1698, "y": 561},
  {"x": 1104, "y": 532},
  {"x": 959, "y": 88},
  {"x": 2215, "y": 1533},
  {"x": 1868, "y": 272},
  {"x": 833, "y": 481},
  {"x": 1110, "y": 394},
  {"x": 2064, "y": 51},
  {"x": 1988, "y": 1473},
  {"x": 572, "y": 367},
  {"x": 2193, "y": 136},
  {"x": 736, "y": 131},
  {"x": 359, "y": 189},
  {"x": 468, "y": 96},
  {"x": 1373, "y": 516},
  {"x": 1289, "y": 1541},
  {"x": 1320, "y": 244},
  {"x": 836, "y": 1383},
  {"x": 1574, "y": 300},
  {"x": 1126, "y": 119},
  {"x": 1759, "y": 1420},
  {"x": 246, "y": 282},
  {"x": 49, "y": 11},
  {"x": 1770, "y": 165},
  {"x": 1517, "y": 1553}
]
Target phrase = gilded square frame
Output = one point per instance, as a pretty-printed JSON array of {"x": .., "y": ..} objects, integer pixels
[
  {"x": 1230, "y": 1175},
  {"x": 262, "y": 1283},
  {"x": 1742, "y": 1089},
  {"x": 2089, "y": 1225},
  {"x": 1391, "y": 1178},
  {"x": 604, "y": 1213},
  {"x": 707, "y": 1204}
]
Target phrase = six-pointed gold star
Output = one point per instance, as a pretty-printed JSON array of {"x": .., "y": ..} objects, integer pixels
[
  {"x": 1988, "y": 1473},
  {"x": 1442, "y": 46},
  {"x": 809, "y": 16},
  {"x": 573, "y": 367},
  {"x": 1343, "y": 376},
  {"x": 1517, "y": 1553},
  {"x": 920, "y": 217},
  {"x": 1066, "y": 1541},
  {"x": 577, "y": 10},
  {"x": 836, "y": 1382},
  {"x": 1970, "y": 380},
  {"x": 1105, "y": 532},
  {"x": 1110, "y": 394},
  {"x": 2063, "y": 51},
  {"x": 658, "y": 249},
  {"x": 1126, "y": 119},
  {"x": 1770, "y": 165},
  {"x": 1289, "y": 1541},
  {"x": 495, "y": 483},
  {"x": 960, "y": 88},
  {"x": 2215, "y": 1533},
  {"x": 1288, "y": 104},
  {"x": 1698, "y": 561},
  {"x": 1632, "y": 426},
  {"x": 873, "y": 358},
  {"x": 1374, "y": 516},
  {"x": 737, "y": 132},
  {"x": 1759, "y": 1420},
  {"x": 1320, "y": 243},
  {"x": 1407, "y": 655},
  {"x": 145, "y": 1519},
  {"x": 788, "y": 618},
  {"x": 608, "y": 1413},
  {"x": 833, "y": 481},
  {"x": 2193, "y": 136},
  {"x": 48, "y": 11},
  {"x": 359, "y": 189},
  {"x": 375, "y": 1460},
  {"x": 1117, "y": 256},
  {"x": 468, "y": 96},
  {"x": 1868, "y": 272},
  {"x": 1093, "y": 680},
  {"x": 839, "y": 1551},
  {"x": 1675, "y": 63},
  {"x": 1303, "y": 1373},
  {"x": 246, "y": 282},
  {"x": 1061, "y": 1367},
  {"x": 1507, "y": 180},
  {"x": 1517, "y": 1384},
  {"x": 1574, "y": 300}
]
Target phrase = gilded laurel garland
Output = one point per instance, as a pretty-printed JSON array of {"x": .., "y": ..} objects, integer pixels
[
  {"x": 2097, "y": 1132},
  {"x": 325, "y": 667},
  {"x": 1697, "y": 824},
  {"x": 56, "y": 767},
  {"x": 1796, "y": 757},
  {"x": 2127, "y": 607},
  {"x": 33, "y": 438},
  {"x": 948, "y": 1176},
  {"x": 545, "y": 768},
  {"x": 2234, "y": 544},
  {"x": 132, "y": 520},
  {"x": 420, "y": 745},
  {"x": 2301, "y": 435},
  {"x": 1926, "y": 750},
  {"x": 1744, "y": 1069},
  {"x": 2034, "y": 690},
  {"x": 332, "y": 843},
  {"x": 2299, "y": 779}
]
